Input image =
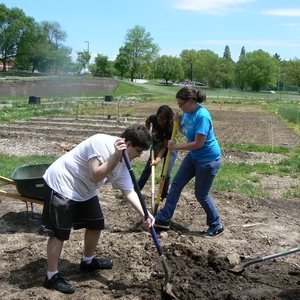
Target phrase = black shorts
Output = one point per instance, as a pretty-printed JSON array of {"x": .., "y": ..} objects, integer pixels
[{"x": 60, "y": 214}]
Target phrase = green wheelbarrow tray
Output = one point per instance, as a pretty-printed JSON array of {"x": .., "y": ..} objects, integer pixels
[{"x": 29, "y": 182}]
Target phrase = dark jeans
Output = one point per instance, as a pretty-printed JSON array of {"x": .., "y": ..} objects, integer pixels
[
  {"x": 204, "y": 174},
  {"x": 147, "y": 172}
]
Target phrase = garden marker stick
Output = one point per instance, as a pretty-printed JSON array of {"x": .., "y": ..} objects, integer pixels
[{"x": 165, "y": 170}]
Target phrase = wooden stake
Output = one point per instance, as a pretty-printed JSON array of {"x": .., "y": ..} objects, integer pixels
[{"x": 272, "y": 145}]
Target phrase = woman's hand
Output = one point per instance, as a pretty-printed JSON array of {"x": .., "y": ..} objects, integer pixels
[
  {"x": 155, "y": 162},
  {"x": 177, "y": 117},
  {"x": 172, "y": 145}
]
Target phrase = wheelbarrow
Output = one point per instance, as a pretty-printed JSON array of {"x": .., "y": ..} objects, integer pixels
[{"x": 29, "y": 183}]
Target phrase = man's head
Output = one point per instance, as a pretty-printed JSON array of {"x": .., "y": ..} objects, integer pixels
[{"x": 138, "y": 137}]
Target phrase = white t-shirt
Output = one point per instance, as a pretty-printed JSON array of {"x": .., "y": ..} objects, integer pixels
[{"x": 70, "y": 176}]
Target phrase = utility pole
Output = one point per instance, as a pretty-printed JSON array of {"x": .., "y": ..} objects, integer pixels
[
  {"x": 278, "y": 78},
  {"x": 88, "y": 48}
]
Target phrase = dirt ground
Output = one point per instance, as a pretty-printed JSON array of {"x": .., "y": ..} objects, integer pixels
[{"x": 199, "y": 268}]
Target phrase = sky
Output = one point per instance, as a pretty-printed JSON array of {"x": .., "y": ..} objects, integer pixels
[{"x": 100, "y": 26}]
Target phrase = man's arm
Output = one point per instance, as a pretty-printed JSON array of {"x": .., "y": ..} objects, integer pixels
[
  {"x": 100, "y": 170},
  {"x": 133, "y": 199}
]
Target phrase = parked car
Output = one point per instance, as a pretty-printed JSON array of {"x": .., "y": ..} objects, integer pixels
[
  {"x": 168, "y": 83},
  {"x": 200, "y": 83},
  {"x": 185, "y": 82}
]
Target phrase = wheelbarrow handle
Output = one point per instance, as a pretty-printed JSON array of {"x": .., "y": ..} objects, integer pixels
[{"x": 7, "y": 180}]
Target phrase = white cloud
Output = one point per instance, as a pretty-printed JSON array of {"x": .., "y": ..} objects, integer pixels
[
  {"x": 290, "y": 12},
  {"x": 209, "y": 6}
]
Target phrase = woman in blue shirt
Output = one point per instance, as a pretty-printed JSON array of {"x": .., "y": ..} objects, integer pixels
[{"x": 202, "y": 161}]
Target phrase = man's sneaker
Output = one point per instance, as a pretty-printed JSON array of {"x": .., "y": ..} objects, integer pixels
[
  {"x": 211, "y": 234},
  {"x": 97, "y": 264},
  {"x": 162, "y": 225},
  {"x": 58, "y": 283}
]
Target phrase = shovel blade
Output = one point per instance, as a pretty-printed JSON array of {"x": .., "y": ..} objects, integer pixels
[
  {"x": 238, "y": 269},
  {"x": 166, "y": 292}
]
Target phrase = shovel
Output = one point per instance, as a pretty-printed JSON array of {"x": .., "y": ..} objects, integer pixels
[
  {"x": 166, "y": 289},
  {"x": 238, "y": 269},
  {"x": 165, "y": 170},
  {"x": 152, "y": 182}
]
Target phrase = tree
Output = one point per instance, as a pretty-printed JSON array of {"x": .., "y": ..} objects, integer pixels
[
  {"x": 293, "y": 71},
  {"x": 123, "y": 59},
  {"x": 189, "y": 59},
  {"x": 141, "y": 48},
  {"x": 227, "y": 53},
  {"x": 14, "y": 25},
  {"x": 259, "y": 69},
  {"x": 239, "y": 76},
  {"x": 169, "y": 67},
  {"x": 226, "y": 72},
  {"x": 59, "y": 55},
  {"x": 101, "y": 65},
  {"x": 83, "y": 58},
  {"x": 277, "y": 56},
  {"x": 207, "y": 67},
  {"x": 226, "y": 68},
  {"x": 54, "y": 32},
  {"x": 243, "y": 52},
  {"x": 33, "y": 50},
  {"x": 61, "y": 59}
]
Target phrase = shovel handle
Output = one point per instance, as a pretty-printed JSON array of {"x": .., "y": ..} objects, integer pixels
[
  {"x": 284, "y": 252},
  {"x": 165, "y": 170},
  {"x": 152, "y": 173},
  {"x": 138, "y": 191},
  {"x": 152, "y": 183},
  {"x": 153, "y": 232}
]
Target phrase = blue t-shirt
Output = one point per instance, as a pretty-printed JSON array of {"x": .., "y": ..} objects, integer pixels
[{"x": 199, "y": 122}]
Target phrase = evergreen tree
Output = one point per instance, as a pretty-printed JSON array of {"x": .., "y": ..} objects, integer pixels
[
  {"x": 243, "y": 53},
  {"x": 227, "y": 53}
]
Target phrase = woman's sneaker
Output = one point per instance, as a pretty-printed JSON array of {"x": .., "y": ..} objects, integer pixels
[
  {"x": 57, "y": 282},
  {"x": 162, "y": 225},
  {"x": 97, "y": 264},
  {"x": 211, "y": 234}
]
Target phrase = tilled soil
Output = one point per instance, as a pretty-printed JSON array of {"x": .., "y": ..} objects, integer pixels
[{"x": 198, "y": 267}]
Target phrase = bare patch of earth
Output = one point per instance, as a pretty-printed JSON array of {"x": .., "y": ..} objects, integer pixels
[{"x": 254, "y": 227}]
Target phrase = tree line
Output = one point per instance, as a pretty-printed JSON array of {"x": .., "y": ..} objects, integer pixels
[{"x": 39, "y": 46}]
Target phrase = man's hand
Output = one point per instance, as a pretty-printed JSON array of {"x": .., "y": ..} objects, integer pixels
[
  {"x": 155, "y": 162},
  {"x": 149, "y": 222},
  {"x": 120, "y": 145}
]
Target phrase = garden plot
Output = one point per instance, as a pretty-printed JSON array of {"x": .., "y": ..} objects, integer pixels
[{"x": 254, "y": 226}]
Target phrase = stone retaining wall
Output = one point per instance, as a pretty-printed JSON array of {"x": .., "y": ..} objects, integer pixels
[{"x": 54, "y": 87}]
